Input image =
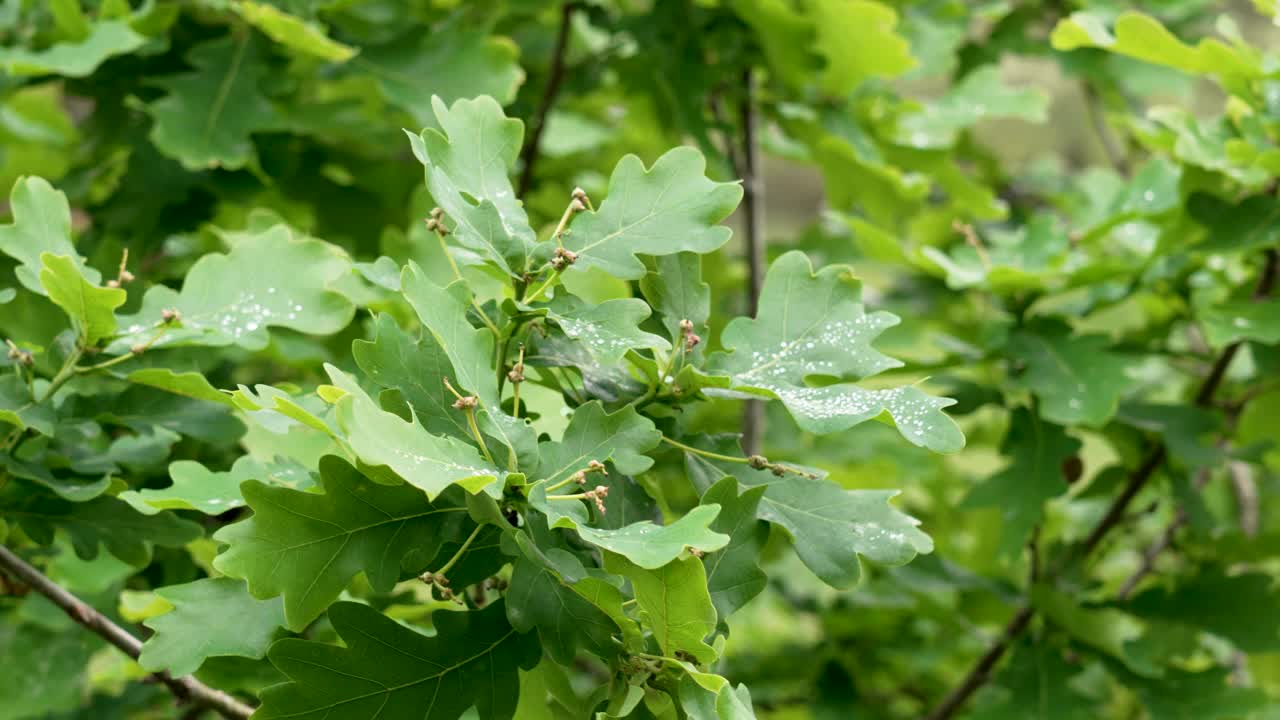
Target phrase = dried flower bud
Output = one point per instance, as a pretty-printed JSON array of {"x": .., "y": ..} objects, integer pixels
[
  {"x": 516, "y": 374},
  {"x": 577, "y": 206},
  {"x": 758, "y": 462},
  {"x": 686, "y": 326},
  {"x": 126, "y": 276},
  {"x": 599, "y": 494},
  {"x": 466, "y": 402},
  {"x": 579, "y": 194},
  {"x": 113, "y": 283},
  {"x": 170, "y": 315},
  {"x": 596, "y": 466},
  {"x": 691, "y": 341}
]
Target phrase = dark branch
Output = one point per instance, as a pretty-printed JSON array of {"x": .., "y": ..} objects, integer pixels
[
  {"x": 538, "y": 123},
  {"x": 753, "y": 206},
  {"x": 186, "y": 689}
]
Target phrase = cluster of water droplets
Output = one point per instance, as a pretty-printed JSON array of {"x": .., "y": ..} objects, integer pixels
[
  {"x": 459, "y": 471},
  {"x": 793, "y": 360},
  {"x": 600, "y": 341},
  {"x": 248, "y": 314}
]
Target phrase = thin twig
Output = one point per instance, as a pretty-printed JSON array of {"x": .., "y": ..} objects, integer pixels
[
  {"x": 979, "y": 674},
  {"x": 753, "y": 204},
  {"x": 555, "y": 77},
  {"x": 185, "y": 688},
  {"x": 1093, "y": 106}
]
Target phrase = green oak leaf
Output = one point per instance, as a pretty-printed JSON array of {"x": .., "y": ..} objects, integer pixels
[
  {"x": 234, "y": 298},
  {"x": 307, "y": 546},
  {"x": 429, "y": 462},
  {"x": 453, "y": 61},
  {"x": 814, "y": 324},
  {"x": 1229, "y": 322},
  {"x": 188, "y": 384},
  {"x": 608, "y": 330},
  {"x": 7, "y": 295},
  {"x": 466, "y": 163},
  {"x": 207, "y": 117},
  {"x": 1144, "y": 38},
  {"x": 675, "y": 289},
  {"x": 298, "y": 35},
  {"x": 20, "y": 409},
  {"x": 643, "y": 543},
  {"x": 1252, "y": 223},
  {"x": 1185, "y": 695},
  {"x": 733, "y": 573},
  {"x": 54, "y": 666},
  {"x": 1078, "y": 379},
  {"x": 829, "y": 525},
  {"x": 210, "y": 617},
  {"x": 415, "y": 368},
  {"x": 857, "y": 39},
  {"x": 74, "y": 59},
  {"x": 1036, "y": 685},
  {"x": 1238, "y": 607},
  {"x": 668, "y": 208},
  {"x": 195, "y": 487},
  {"x": 1036, "y": 450},
  {"x": 388, "y": 670},
  {"x": 621, "y": 438},
  {"x": 91, "y": 308},
  {"x": 609, "y": 383},
  {"x": 674, "y": 603},
  {"x": 41, "y": 224},
  {"x": 981, "y": 94},
  {"x": 75, "y": 489},
  {"x": 104, "y": 521},
  {"x": 566, "y": 609},
  {"x": 729, "y": 703}
]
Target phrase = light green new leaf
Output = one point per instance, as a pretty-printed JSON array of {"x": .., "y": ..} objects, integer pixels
[
  {"x": 188, "y": 384},
  {"x": 1229, "y": 322},
  {"x": 981, "y": 94},
  {"x": 466, "y": 163},
  {"x": 429, "y": 462},
  {"x": 621, "y": 438},
  {"x": 1239, "y": 607},
  {"x": 443, "y": 312},
  {"x": 293, "y": 32},
  {"x": 729, "y": 703},
  {"x": 733, "y": 573},
  {"x": 673, "y": 602},
  {"x": 668, "y": 208},
  {"x": 608, "y": 329},
  {"x": 1078, "y": 380},
  {"x": 198, "y": 488},
  {"x": 210, "y": 617},
  {"x": 857, "y": 39},
  {"x": 307, "y": 546},
  {"x": 387, "y": 670},
  {"x": 74, "y": 59},
  {"x": 207, "y": 116},
  {"x": 1143, "y": 37},
  {"x": 812, "y": 325},
  {"x": 1037, "y": 450},
  {"x": 234, "y": 298},
  {"x": 91, "y": 308},
  {"x": 41, "y": 224},
  {"x": 829, "y": 525},
  {"x": 454, "y": 61}
]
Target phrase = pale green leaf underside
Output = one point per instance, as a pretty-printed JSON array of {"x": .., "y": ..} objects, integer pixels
[{"x": 211, "y": 617}]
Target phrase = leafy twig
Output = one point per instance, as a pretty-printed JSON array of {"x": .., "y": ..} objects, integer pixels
[{"x": 184, "y": 688}]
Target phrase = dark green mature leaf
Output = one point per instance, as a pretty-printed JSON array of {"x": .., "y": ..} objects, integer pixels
[
  {"x": 830, "y": 526},
  {"x": 308, "y": 546},
  {"x": 387, "y": 670},
  {"x": 733, "y": 573},
  {"x": 1037, "y": 451},
  {"x": 1077, "y": 378},
  {"x": 668, "y": 208},
  {"x": 1237, "y": 607},
  {"x": 41, "y": 224},
  {"x": 208, "y": 116},
  {"x": 466, "y": 168},
  {"x": 674, "y": 603},
  {"x": 814, "y": 324},
  {"x": 211, "y": 617},
  {"x": 620, "y": 438},
  {"x": 1036, "y": 685},
  {"x": 416, "y": 369},
  {"x": 1206, "y": 695},
  {"x": 91, "y": 308},
  {"x": 236, "y": 297},
  {"x": 607, "y": 330},
  {"x": 430, "y": 462},
  {"x": 1229, "y": 322},
  {"x": 676, "y": 291},
  {"x": 103, "y": 521},
  {"x": 53, "y": 666},
  {"x": 20, "y": 409}
]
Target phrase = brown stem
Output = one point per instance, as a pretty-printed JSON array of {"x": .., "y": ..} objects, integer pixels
[
  {"x": 979, "y": 674},
  {"x": 538, "y": 123},
  {"x": 753, "y": 204},
  {"x": 184, "y": 688}
]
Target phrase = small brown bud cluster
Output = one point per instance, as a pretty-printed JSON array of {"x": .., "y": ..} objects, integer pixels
[
  {"x": 516, "y": 374},
  {"x": 563, "y": 259},
  {"x": 138, "y": 348},
  {"x": 123, "y": 276},
  {"x": 581, "y": 195},
  {"x": 441, "y": 584},
  {"x": 598, "y": 494},
  {"x": 696, "y": 552},
  {"x": 593, "y": 466},
  {"x": 170, "y": 315},
  {"x": 435, "y": 223},
  {"x": 691, "y": 339},
  {"x": 760, "y": 462},
  {"x": 18, "y": 355},
  {"x": 466, "y": 402}
]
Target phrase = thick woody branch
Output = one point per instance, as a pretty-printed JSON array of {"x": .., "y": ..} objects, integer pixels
[{"x": 186, "y": 689}]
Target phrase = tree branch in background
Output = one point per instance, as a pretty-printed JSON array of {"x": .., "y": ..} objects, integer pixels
[
  {"x": 980, "y": 673},
  {"x": 186, "y": 689},
  {"x": 753, "y": 204},
  {"x": 1093, "y": 105},
  {"x": 538, "y": 123}
]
